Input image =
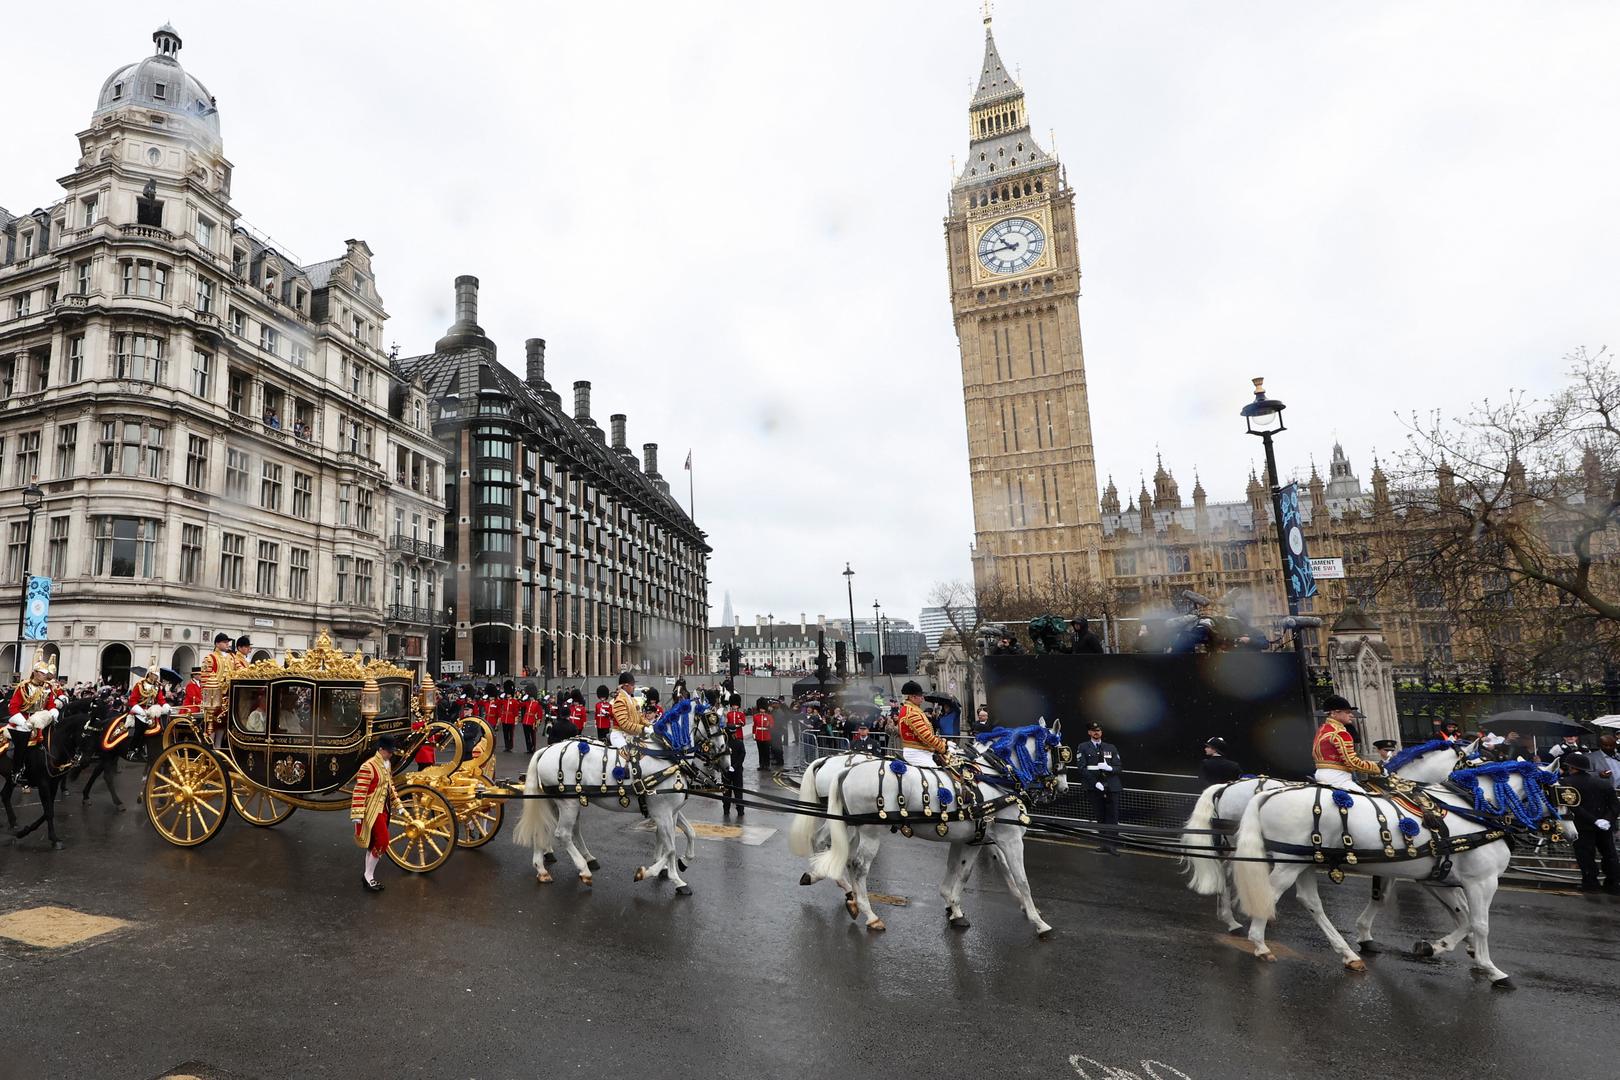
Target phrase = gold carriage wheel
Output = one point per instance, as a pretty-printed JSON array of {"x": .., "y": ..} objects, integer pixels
[
  {"x": 480, "y": 822},
  {"x": 258, "y": 806},
  {"x": 421, "y": 830},
  {"x": 187, "y": 789}
]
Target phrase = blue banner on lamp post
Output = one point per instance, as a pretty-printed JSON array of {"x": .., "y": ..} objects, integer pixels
[
  {"x": 37, "y": 608},
  {"x": 1301, "y": 582}
]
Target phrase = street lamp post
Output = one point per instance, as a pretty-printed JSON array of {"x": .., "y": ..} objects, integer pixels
[
  {"x": 877, "y": 639},
  {"x": 548, "y": 648},
  {"x": 33, "y": 499},
  {"x": 770, "y": 628},
  {"x": 854, "y": 651},
  {"x": 1263, "y": 416}
]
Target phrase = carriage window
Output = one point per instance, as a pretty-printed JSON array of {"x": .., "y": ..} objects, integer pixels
[
  {"x": 391, "y": 701},
  {"x": 293, "y": 709},
  {"x": 340, "y": 713},
  {"x": 248, "y": 708}
]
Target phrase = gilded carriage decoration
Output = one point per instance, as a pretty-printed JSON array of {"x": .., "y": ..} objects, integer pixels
[{"x": 296, "y": 731}]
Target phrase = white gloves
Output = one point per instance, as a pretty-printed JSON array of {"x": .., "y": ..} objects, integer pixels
[
  {"x": 138, "y": 710},
  {"x": 42, "y": 719},
  {"x": 1604, "y": 823},
  {"x": 1105, "y": 767},
  {"x": 1101, "y": 787}
]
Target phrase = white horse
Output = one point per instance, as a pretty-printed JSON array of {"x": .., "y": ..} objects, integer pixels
[
  {"x": 686, "y": 745},
  {"x": 808, "y": 835},
  {"x": 1017, "y": 768},
  {"x": 1221, "y": 806},
  {"x": 1279, "y": 826}
]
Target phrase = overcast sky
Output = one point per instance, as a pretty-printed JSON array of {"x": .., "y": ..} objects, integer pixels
[{"x": 728, "y": 216}]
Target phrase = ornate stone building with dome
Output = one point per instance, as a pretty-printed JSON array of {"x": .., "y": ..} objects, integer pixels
[{"x": 218, "y": 438}]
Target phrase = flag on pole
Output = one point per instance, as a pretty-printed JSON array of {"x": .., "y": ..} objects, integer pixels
[{"x": 689, "y": 461}]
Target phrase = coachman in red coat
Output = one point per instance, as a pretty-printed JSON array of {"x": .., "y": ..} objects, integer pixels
[{"x": 370, "y": 805}]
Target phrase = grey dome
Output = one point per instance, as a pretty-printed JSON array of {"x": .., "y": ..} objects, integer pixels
[{"x": 160, "y": 84}]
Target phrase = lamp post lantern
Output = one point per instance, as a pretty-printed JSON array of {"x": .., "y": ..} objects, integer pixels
[
  {"x": 877, "y": 639},
  {"x": 33, "y": 497},
  {"x": 1263, "y": 416},
  {"x": 770, "y": 628}
]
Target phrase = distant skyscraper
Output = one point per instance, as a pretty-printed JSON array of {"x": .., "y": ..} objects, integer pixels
[{"x": 726, "y": 618}]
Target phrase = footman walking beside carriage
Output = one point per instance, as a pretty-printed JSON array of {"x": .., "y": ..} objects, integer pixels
[{"x": 370, "y": 805}]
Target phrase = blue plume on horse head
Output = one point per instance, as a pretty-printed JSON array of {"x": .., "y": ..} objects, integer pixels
[
  {"x": 1412, "y": 753},
  {"x": 675, "y": 725},
  {"x": 1501, "y": 800},
  {"x": 1012, "y": 745}
]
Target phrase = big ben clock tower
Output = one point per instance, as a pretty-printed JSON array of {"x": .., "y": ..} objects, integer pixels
[{"x": 1015, "y": 287}]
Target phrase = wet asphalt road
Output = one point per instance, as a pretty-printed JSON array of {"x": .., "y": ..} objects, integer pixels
[{"x": 260, "y": 956}]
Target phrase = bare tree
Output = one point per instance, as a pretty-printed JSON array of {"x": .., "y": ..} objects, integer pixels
[{"x": 1507, "y": 522}]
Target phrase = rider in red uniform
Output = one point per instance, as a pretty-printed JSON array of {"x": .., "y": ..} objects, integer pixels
[{"x": 1337, "y": 762}]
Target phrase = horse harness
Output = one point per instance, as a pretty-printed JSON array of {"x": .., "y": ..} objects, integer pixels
[{"x": 1441, "y": 845}]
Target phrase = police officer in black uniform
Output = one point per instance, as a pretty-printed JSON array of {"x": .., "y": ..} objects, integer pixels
[
  {"x": 1100, "y": 763},
  {"x": 1595, "y": 820}
]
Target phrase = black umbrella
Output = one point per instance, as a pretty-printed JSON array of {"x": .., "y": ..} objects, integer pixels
[{"x": 1544, "y": 725}]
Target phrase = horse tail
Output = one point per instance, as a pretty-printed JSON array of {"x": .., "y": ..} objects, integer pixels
[
  {"x": 1204, "y": 865},
  {"x": 801, "y": 837},
  {"x": 1252, "y": 872},
  {"x": 834, "y": 862},
  {"x": 539, "y": 818}
]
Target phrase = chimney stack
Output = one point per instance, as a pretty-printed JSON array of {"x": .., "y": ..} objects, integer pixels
[
  {"x": 616, "y": 422},
  {"x": 465, "y": 333},
  {"x": 535, "y": 350},
  {"x": 467, "y": 300},
  {"x": 649, "y": 455},
  {"x": 582, "y": 401}
]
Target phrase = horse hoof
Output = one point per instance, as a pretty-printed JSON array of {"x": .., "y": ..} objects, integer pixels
[
  {"x": 961, "y": 923},
  {"x": 1368, "y": 948},
  {"x": 1504, "y": 983},
  {"x": 1423, "y": 948},
  {"x": 1266, "y": 957},
  {"x": 1355, "y": 965},
  {"x": 683, "y": 890},
  {"x": 56, "y": 845},
  {"x": 805, "y": 879},
  {"x": 548, "y": 858},
  {"x": 876, "y": 926},
  {"x": 543, "y": 878},
  {"x": 850, "y": 905},
  {"x": 663, "y": 875},
  {"x": 1045, "y": 935},
  {"x": 593, "y": 865},
  {"x": 585, "y": 880},
  {"x": 641, "y": 874},
  {"x": 680, "y": 863}
]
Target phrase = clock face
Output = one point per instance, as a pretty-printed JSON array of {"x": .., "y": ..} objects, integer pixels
[{"x": 1011, "y": 245}]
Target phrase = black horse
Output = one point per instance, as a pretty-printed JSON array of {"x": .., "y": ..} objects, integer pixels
[
  {"x": 43, "y": 766},
  {"x": 105, "y": 740}
]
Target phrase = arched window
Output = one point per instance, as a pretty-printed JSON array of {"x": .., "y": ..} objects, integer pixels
[{"x": 115, "y": 664}]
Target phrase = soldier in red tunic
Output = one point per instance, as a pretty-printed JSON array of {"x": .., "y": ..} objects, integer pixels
[
  {"x": 369, "y": 807},
  {"x": 148, "y": 702},
  {"x": 531, "y": 717},
  {"x": 1337, "y": 762},
  {"x": 511, "y": 709},
  {"x": 33, "y": 708},
  {"x": 215, "y": 665},
  {"x": 762, "y": 732},
  {"x": 604, "y": 714}
]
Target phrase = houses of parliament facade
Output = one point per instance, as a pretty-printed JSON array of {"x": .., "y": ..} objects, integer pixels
[{"x": 1014, "y": 272}]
